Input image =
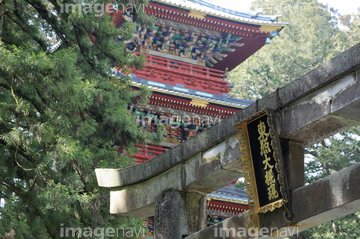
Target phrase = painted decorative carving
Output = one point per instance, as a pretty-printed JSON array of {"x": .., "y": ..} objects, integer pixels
[{"x": 204, "y": 48}]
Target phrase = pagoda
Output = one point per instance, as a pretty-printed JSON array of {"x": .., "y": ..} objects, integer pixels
[{"x": 189, "y": 50}]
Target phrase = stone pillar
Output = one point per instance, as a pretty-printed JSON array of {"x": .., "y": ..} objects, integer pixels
[
  {"x": 169, "y": 217},
  {"x": 195, "y": 212},
  {"x": 293, "y": 154},
  {"x": 178, "y": 214}
]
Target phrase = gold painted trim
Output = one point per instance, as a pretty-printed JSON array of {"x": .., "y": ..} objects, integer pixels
[
  {"x": 271, "y": 206},
  {"x": 152, "y": 88},
  {"x": 197, "y": 14},
  {"x": 227, "y": 200},
  {"x": 248, "y": 169},
  {"x": 250, "y": 180},
  {"x": 270, "y": 28},
  {"x": 199, "y": 103},
  {"x": 288, "y": 214}
]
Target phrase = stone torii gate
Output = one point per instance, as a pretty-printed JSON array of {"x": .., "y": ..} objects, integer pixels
[{"x": 173, "y": 185}]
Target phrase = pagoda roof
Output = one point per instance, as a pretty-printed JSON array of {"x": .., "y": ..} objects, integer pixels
[
  {"x": 229, "y": 194},
  {"x": 200, "y": 33},
  {"x": 210, "y": 9},
  {"x": 192, "y": 94}
]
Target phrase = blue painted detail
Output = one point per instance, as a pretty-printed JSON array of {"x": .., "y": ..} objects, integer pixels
[
  {"x": 267, "y": 42},
  {"x": 156, "y": 84},
  {"x": 274, "y": 34},
  {"x": 231, "y": 85},
  {"x": 180, "y": 85},
  {"x": 231, "y": 192},
  {"x": 203, "y": 94},
  {"x": 180, "y": 89},
  {"x": 235, "y": 13}
]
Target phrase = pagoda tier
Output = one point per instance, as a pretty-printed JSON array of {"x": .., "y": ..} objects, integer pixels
[
  {"x": 184, "y": 75},
  {"x": 182, "y": 114},
  {"x": 199, "y": 37},
  {"x": 226, "y": 202},
  {"x": 180, "y": 125},
  {"x": 189, "y": 51}
]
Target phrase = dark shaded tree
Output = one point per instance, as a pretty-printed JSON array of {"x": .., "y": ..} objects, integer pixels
[{"x": 62, "y": 114}]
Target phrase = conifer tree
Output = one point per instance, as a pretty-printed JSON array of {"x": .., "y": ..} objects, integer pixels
[{"x": 63, "y": 114}]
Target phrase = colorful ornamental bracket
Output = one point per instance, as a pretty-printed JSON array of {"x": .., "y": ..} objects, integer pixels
[
  {"x": 204, "y": 48},
  {"x": 263, "y": 165}
]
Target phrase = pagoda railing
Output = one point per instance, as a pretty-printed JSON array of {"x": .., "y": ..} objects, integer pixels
[
  {"x": 185, "y": 67},
  {"x": 174, "y": 72}
]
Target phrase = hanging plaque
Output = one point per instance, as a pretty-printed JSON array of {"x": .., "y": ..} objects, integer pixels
[{"x": 264, "y": 171}]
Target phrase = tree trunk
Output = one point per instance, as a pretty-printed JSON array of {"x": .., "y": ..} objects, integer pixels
[{"x": 2, "y": 16}]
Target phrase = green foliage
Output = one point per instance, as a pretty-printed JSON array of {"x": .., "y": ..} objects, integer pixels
[
  {"x": 240, "y": 185},
  {"x": 345, "y": 227},
  {"x": 334, "y": 154},
  {"x": 61, "y": 116},
  {"x": 312, "y": 37},
  {"x": 330, "y": 156}
]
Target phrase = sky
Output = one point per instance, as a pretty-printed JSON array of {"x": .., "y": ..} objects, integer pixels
[{"x": 344, "y": 6}]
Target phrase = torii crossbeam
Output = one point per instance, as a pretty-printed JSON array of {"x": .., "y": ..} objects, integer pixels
[{"x": 173, "y": 185}]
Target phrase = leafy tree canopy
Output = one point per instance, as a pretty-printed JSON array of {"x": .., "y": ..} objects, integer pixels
[{"x": 312, "y": 37}]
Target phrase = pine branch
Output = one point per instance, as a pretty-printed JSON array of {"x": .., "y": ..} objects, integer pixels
[
  {"x": 99, "y": 47},
  {"x": 43, "y": 100},
  {"x": 4, "y": 196},
  {"x": 50, "y": 18},
  {"x": 19, "y": 150},
  {"x": 28, "y": 28},
  {"x": 82, "y": 50},
  {"x": 313, "y": 153},
  {"x": 76, "y": 167},
  {"x": 26, "y": 198},
  {"x": 4, "y": 129},
  {"x": 36, "y": 105},
  {"x": 2, "y": 16},
  {"x": 56, "y": 5}
]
